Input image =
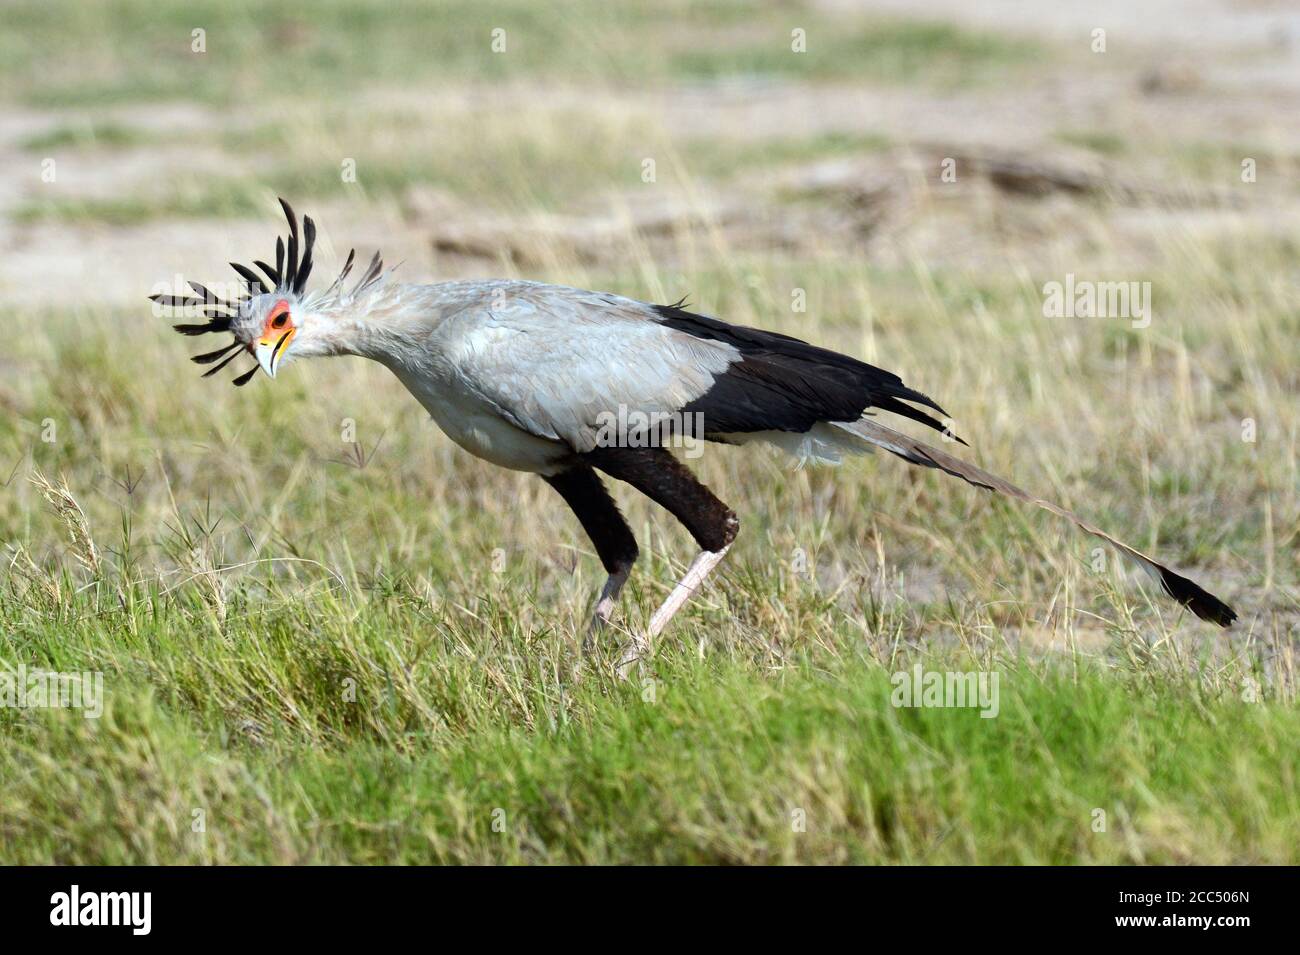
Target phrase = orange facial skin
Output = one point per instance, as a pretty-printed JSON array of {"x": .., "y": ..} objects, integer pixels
[{"x": 279, "y": 327}]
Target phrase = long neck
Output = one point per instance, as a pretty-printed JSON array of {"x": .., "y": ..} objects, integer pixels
[{"x": 388, "y": 323}]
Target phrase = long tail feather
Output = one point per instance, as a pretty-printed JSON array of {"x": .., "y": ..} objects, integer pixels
[{"x": 1201, "y": 602}]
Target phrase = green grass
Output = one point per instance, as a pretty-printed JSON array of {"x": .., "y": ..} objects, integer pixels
[
  {"x": 723, "y": 159},
  {"x": 537, "y": 172},
  {"x": 61, "y": 53},
  {"x": 329, "y": 664},
  {"x": 233, "y": 198},
  {"x": 371, "y": 728},
  {"x": 86, "y": 135},
  {"x": 1098, "y": 141},
  {"x": 888, "y": 51},
  {"x": 1207, "y": 163}
]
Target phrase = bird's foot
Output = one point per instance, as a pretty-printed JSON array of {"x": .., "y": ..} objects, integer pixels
[
  {"x": 633, "y": 652},
  {"x": 599, "y": 621},
  {"x": 604, "y": 608}
]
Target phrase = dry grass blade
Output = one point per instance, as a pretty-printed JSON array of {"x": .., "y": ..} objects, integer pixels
[{"x": 70, "y": 514}]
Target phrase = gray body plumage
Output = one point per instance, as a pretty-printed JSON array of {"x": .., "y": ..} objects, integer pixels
[{"x": 521, "y": 373}]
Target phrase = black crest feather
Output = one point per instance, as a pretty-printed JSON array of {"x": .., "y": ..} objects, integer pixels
[
  {"x": 209, "y": 357},
  {"x": 291, "y": 265},
  {"x": 254, "y": 280},
  {"x": 289, "y": 275},
  {"x": 304, "y": 267},
  {"x": 272, "y": 274},
  {"x": 246, "y": 377}
]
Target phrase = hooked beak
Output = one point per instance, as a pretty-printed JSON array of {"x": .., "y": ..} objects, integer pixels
[{"x": 269, "y": 351}]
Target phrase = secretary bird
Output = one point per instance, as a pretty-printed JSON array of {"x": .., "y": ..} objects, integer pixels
[{"x": 528, "y": 376}]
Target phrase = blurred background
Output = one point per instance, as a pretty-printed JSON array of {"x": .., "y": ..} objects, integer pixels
[
  {"x": 891, "y": 180},
  {"x": 477, "y": 138}
]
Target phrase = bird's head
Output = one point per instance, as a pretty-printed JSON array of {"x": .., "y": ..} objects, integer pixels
[
  {"x": 275, "y": 322},
  {"x": 275, "y": 328}
]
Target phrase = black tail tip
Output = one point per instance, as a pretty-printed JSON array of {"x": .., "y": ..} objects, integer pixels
[{"x": 1196, "y": 599}]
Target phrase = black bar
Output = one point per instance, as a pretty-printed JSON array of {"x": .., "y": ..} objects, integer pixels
[{"x": 334, "y": 905}]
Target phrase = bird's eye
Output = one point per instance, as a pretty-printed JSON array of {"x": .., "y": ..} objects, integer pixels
[{"x": 280, "y": 320}]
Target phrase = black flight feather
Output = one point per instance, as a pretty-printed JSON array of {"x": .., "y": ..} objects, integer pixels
[
  {"x": 782, "y": 383},
  {"x": 907, "y": 411}
]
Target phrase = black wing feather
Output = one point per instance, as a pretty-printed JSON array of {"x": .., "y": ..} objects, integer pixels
[{"x": 786, "y": 384}]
